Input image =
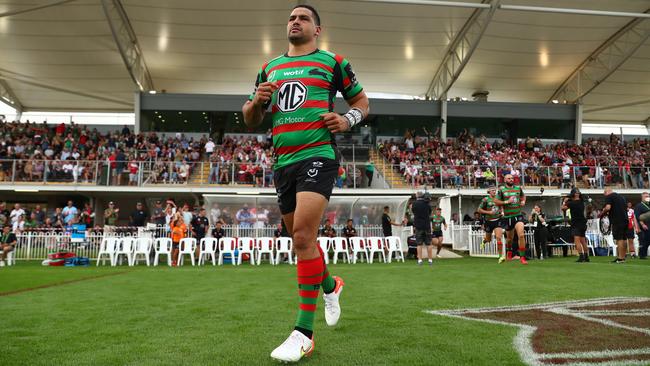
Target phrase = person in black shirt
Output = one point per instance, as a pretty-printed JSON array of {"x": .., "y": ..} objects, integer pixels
[
  {"x": 328, "y": 230},
  {"x": 642, "y": 229},
  {"x": 7, "y": 243},
  {"x": 422, "y": 223},
  {"x": 576, "y": 206},
  {"x": 139, "y": 216},
  {"x": 387, "y": 223},
  {"x": 349, "y": 230},
  {"x": 538, "y": 219},
  {"x": 218, "y": 232},
  {"x": 616, "y": 209},
  {"x": 200, "y": 225}
]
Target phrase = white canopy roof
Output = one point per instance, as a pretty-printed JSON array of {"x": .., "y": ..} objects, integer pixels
[{"x": 64, "y": 57}]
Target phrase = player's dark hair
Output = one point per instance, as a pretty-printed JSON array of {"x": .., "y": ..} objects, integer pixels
[{"x": 313, "y": 12}]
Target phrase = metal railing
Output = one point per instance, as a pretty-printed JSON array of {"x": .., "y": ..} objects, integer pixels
[
  {"x": 36, "y": 245},
  {"x": 352, "y": 175}
]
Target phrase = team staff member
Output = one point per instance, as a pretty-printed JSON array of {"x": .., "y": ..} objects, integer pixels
[
  {"x": 200, "y": 225},
  {"x": 328, "y": 231},
  {"x": 492, "y": 223},
  {"x": 437, "y": 222},
  {"x": 576, "y": 206},
  {"x": 642, "y": 231},
  {"x": 615, "y": 208},
  {"x": 218, "y": 232},
  {"x": 387, "y": 223},
  {"x": 179, "y": 231},
  {"x": 422, "y": 224},
  {"x": 300, "y": 87}
]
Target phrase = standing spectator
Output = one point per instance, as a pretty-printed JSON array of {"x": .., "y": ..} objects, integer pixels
[
  {"x": 138, "y": 216},
  {"x": 69, "y": 212},
  {"x": 8, "y": 243},
  {"x": 19, "y": 225},
  {"x": 615, "y": 208},
  {"x": 576, "y": 206},
  {"x": 16, "y": 213},
  {"x": 158, "y": 214},
  {"x": 215, "y": 213},
  {"x": 387, "y": 223},
  {"x": 261, "y": 217},
  {"x": 213, "y": 176},
  {"x": 244, "y": 218},
  {"x": 370, "y": 172},
  {"x": 179, "y": 231},
  {"x": 642, "y": 231},
  {"x": 110, "y": 217},
  {"x": 187, "y": 215},
  {"x": 87, "y": 215},
  {"x": 200, "y": 225},
  {"x": 631, "y": 229},
  {"x": 120, "y": 164},
  {"x": 40, "y": 214},
  {"x": 209, "y": 147},
  {"x": 57, "y": 218},
  {"x": 133, "y": 171}
]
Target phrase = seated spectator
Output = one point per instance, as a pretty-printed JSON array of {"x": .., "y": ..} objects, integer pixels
[{"x": 8, "y": 243}]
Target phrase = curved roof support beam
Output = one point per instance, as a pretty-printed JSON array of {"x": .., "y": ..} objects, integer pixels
[
  {"x": 606, "y": 59},
  {"x": 461, "y": 49},
  {"x": 127, "y": 43},
  {"x": 8, "y": 97}
]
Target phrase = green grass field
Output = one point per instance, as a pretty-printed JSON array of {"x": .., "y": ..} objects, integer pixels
[{"x": 237, "y": 315}]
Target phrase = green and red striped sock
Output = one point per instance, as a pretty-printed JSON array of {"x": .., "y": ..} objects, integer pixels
[
  {"x": 310, "y": 276},
  {"x": 328, "y": 284}
]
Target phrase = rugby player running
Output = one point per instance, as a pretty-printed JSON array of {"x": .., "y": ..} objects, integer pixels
[
  {"x": 512, "y": 198},
  {"x": 492, "y": 224}
]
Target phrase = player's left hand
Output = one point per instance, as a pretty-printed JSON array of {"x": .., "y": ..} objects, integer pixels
[{"x": 335, "y": 122}]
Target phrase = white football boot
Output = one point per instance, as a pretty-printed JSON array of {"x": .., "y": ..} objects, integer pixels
[
  {"x": 332, "y": 307},
  {"x": 294, "y": 348}
]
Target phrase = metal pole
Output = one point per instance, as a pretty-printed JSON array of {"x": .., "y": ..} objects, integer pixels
[
  {"x": 443, "y": 118},
  {"x": 13, "y": 172},
  {"x": 578, "y": 126},
  {"x": 544, "y": 9}
]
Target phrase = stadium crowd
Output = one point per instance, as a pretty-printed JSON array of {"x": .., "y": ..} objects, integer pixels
[{"x": 476, "y": 161}]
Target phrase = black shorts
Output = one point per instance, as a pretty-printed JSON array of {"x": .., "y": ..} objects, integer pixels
[
  {"x": 436, "y": 234},
  {"x": 508, "y": 223},
  {"x": 579, "y": 230},
  {"x": 619, "y": 232},
  {"x": 310, "y": 175},
  {"x": 423, "y": 237},
  {"x": 630, "y": 233},
  {"x": 490, "y": 226},
  {"x": 175, "y": 245}
]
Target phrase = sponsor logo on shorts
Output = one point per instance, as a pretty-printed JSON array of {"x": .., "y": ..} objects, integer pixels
[
  {"x": 317, "y": 164},
  {"x": 312, "y": 172}
]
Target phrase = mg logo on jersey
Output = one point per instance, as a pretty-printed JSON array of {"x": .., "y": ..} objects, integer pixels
[{"x": 291, "y": 96}]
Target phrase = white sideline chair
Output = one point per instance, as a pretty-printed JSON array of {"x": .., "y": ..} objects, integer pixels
[
  {"x": 394, "y": 245},
  {"x": 163, "y": 246},
  {"x": 357, "y": 245},
  {"x": 324, "y": 244},
  {"x": 590, "y": 246},
  {"x": 187, "y": 246},
  {"x": 208, "y": 247},
  {"x": 611, "y": 245},
  {"x": 126, "y": 246},
  {"x": 246, "y": 245},
  {"x": 107, "y": 247},
  {"x": 340, "y": 246},
  {"x": 227, "y": 246},
  {"x": 142, "y": 247},
  {"x": 265, "y": 245},
  {"x": 375, "y": 244},
  {"x": 283, "y": 245}
]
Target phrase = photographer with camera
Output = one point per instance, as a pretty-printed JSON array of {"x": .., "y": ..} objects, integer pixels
[
  {"x": 540, "y": 232},
  {"x": 575, "y": 204}
]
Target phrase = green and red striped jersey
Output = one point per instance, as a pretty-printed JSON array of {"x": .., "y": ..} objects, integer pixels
[
  {"x": 436, "y": 222},
  {"x": 307, "y": 87},
  {"x": 511, "y": 209},
  {"x": 488, "y": 204}
]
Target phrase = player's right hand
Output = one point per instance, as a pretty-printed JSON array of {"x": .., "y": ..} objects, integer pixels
[{"x": 264, "y": 92}]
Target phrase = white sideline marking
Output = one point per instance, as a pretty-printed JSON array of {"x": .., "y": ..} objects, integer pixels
[{"x": 523, "y": 340}]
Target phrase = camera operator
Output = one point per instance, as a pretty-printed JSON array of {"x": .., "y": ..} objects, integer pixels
[
  {"x": 538, "y": 219},
  {"x": 576, "y": 206},
  {"x": 422, "y": 222}
]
